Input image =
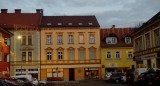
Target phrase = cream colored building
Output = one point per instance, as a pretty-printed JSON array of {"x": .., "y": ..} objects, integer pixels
[
  {"x": 70, "y": 48},
  {"x": 25, "y": 44},
  {"x": 147, "y": 43}
]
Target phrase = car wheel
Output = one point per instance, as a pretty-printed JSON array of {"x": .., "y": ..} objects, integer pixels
[
  {"x": 41, "y": 84},
  {"x": 117, "y": 81}
]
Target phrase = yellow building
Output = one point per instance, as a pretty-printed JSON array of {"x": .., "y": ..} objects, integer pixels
[
  {"x": 147, "y": 43},
  {"x": 116, "y": 49},
  {"x": 70, "y": 48}
]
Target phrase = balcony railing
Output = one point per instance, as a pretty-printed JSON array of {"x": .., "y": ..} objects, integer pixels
[
  {"x": 71, "y": 62},
  {"x": 24, "y": 63},
  {"x": 55, "y": 62}
]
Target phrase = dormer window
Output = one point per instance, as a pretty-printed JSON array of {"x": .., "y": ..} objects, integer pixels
[
  {"x": 90, "y": 23},
  {"x": 80, "y": 24},
  {"x": 69, "y": 23},
  {"x": 128, "y": 40},
  {"x": 49, "y": 24},
  {"x": 111, "y": 40},
  {"x": 59, "y": 24}
]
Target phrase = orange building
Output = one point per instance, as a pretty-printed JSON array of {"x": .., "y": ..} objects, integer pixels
[
  {"x": 4, "y": 52},
  {"x": 70, "y": 48}
]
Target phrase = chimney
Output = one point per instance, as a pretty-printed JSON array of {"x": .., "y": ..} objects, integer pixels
[
  {"x": 4, "y": 10},
  {"x": 113, "y": 26},
  {"x": 39, "y": 10},
  {"x": 17, "y": 10}
]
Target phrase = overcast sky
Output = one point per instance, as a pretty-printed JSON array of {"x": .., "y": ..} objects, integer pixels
[{"x": 122, "y": 13}]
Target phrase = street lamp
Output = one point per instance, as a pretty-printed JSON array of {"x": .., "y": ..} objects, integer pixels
[{"x": 19, "y": 38}]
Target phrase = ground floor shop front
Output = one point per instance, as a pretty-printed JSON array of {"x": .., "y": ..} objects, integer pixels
[
  {"x": 148, "y": 61},
  {"x": 70, "y": 73}
]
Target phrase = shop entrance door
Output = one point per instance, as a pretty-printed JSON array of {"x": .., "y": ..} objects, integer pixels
[
  {"x": 71, "y": 74},
  {"x": 149, "y": 63}
]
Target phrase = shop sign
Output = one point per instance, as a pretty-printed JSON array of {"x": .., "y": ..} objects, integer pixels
[
  {"x": 112, "y": 64},
  {"x": 91, "y": 68},
  {"x": 145, "y": 57}
]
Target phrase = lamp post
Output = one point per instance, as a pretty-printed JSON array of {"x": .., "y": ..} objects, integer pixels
[{"x": 19, "y": 38}]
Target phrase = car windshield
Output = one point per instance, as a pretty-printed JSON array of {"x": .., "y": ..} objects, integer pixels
[{"x": 116, "y": 74}]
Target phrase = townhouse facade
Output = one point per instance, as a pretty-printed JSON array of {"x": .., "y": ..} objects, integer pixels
[
  {"x": 70, "y": 48},
  {"x": 25, "y": 46},
  {"x": 147, "y": 43},
  {"x": 4, "y": 52},
  {"x": 116, "y": 49}
]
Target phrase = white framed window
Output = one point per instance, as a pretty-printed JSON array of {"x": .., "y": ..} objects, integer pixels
[
  {"x": 69, "y": 23},
  {"x": 60, "y": 55},
  {"x": 26, "y": 40},
  {"x": 49, "y": 24},
  {"x": 128, "y": 40},
  {"x": 130, "y": 55},
  {"x": 59, "y": 39},
  {"x": 90, "y": 23},
  {"x": 49, "y": 55},
  {"x": 81, "y": 39},
  {"x": 92, "y": 39},
  {"x": 70, "y": 39},
  {"x": 80, "y": 23},
  {"x": 71, "y": 55},
  {"x": 81, "y": 55},
  {"x": 29, "y": 56},
  {"x": 157, "y": 37},
  {"x": 92, "y": 55},
  {"x": 23, "y": 56},
  {"x": 49, "y": 39},
  {"x": 111, "y": 40},
  {"x": 108, "y": 55},
  {"x": 59, "y": 24},
  {"x": 117, "y": 55},
  {"x": 0, "y": 56}
]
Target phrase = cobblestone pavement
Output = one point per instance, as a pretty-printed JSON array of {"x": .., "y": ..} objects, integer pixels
[{"x": 87, "y": 83}]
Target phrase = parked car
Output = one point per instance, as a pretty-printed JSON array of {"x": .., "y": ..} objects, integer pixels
[
  {"x": 30, "y": 79},
  {"x": 123, "y": 78},
  {"x": 13, "y": 80},
  {"x": 149, "y": 78},
  {"x": 8, "y": 83},
  {"x": 130, "y": 76},
  {"x": 25, "y": 81},
  {"x": 115, "y": 77},
  {"x": 107, "y": 77},
  {"x": 42, "y": 83}
]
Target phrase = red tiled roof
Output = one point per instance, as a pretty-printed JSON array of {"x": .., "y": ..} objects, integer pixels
[
  {"x": 11, "y": 20},
  {"x": 77, "y": 21},
  {"x": 118, "y": 32}
]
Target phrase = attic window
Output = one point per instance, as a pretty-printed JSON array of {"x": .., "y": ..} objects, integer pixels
[
  {"x": 49, "y": 24},
  {"x": 69, "y": 23},
  {"x": 90, "y": 23},
  {"x": 59, "y": 24},
  {"x": 80, "y": 23}
]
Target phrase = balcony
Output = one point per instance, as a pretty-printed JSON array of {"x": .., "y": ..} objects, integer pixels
[{"x": 70, "y": 62}]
